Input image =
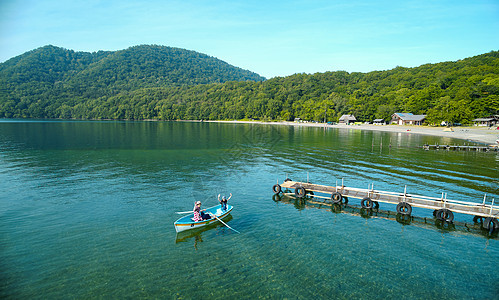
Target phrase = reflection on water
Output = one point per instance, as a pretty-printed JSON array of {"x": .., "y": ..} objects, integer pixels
[
  {"x": 429, "y": 223},
  {"x": 87, "y": 211},
  {"x": 197, "y": 233}
]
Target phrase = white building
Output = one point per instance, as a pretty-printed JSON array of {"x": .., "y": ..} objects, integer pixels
[{"x": 407, "y": 119}]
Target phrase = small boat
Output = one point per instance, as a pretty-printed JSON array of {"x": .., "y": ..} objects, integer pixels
[
  {"x": 197, "y": 234},
  {"x": 186, "y": 222}
]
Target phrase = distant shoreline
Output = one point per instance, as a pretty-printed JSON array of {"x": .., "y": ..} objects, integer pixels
[
  {"x": 478, "y": 134},
  {"x": 482, "y": 135}
]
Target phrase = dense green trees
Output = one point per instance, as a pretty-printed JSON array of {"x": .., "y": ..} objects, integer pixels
[{"x": 154, "y": 82}]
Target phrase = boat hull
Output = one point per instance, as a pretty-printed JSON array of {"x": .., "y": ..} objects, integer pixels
[{"x": 186, "y": 223}]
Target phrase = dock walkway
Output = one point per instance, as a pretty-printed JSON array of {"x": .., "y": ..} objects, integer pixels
[
  {"x": 442, "y": 207},
  {"x": 461, "y": 147}
]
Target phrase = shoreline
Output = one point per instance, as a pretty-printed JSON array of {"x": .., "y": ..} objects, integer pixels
[
  {"x": 482, "y": 135},
  {"x": 477, "y": 134}
]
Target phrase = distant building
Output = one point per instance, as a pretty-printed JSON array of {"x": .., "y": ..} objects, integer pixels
[
  {"x": 347, "y": 119},
  {"x": 379, "y": 122},
  {"x": 490, "y": 121},
  {"x": 407, "y": 119}
]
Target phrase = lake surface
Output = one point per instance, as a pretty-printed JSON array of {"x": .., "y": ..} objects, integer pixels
[{"x": 87, "y": 211}]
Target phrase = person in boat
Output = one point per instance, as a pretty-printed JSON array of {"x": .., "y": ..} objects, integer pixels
[
  {"x": 199, "y": 214},
  {"x": 223, "y": 201}
]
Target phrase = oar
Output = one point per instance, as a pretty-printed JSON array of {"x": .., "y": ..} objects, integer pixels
[
  {"x": 223, "y": 222},
  {"x": 183, "y": 212}
]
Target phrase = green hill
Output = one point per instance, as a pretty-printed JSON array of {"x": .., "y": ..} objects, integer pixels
[
  {"x": 155, "y": 82},
  {"x": 36, "y": 82}
]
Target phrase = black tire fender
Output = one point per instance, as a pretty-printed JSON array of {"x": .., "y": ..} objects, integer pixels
[
  {"x": 404, "y": 208},
  {"x": 366, "y": 203},
  {"x": 491, "y": 224},
  {"x": 445, "y": 215},
  {"x": 336, "y": 198},
  {"x": 277, "y": 189},
  {"x": 478, "y": 219},
  {"x": 300, "y": 192}
]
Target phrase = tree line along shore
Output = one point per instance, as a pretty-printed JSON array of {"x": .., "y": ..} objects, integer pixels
[{"x": 164, "y": 83}]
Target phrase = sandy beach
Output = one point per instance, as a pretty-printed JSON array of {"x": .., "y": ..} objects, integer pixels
[{"x": 482, "y": 135}]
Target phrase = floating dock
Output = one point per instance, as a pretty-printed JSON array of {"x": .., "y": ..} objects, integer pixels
[
  {"x": 443, "y": 208},
  {"x": 475, "y": 228},
  {"x": 461, "y": 147}
]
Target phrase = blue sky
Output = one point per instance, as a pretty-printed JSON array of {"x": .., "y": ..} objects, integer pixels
[{"x": 272, "y": 38}]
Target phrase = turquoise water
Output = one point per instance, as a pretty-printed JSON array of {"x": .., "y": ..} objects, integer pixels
[{"x": 87, "y": 211}]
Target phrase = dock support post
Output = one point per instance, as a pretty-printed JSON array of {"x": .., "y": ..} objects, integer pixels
[
  {"x": 405, "y": 193},
  {"x": 484, "y": 196},
  {"x": 491, "y": 206}
]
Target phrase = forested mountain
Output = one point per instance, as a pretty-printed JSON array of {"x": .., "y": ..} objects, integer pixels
[
  {"x": 155, "y": 82},
  {"x": 36, "y": 83}
]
